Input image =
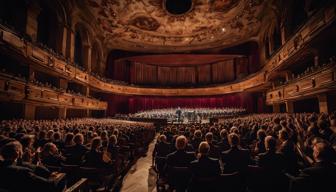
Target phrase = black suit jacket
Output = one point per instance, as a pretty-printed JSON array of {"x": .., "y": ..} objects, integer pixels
[
  {"x": 319, "y": 177},
  {"x": 236, "y": 159},
  {"x": 162, "y": 149},
  {"x": 180, "y": 159},
  {"x": 205, "y": 167},
  {"x": 271, "y": 161},
  {"x": 75, "y": 154},
  {"x": 16, "y": 178}
]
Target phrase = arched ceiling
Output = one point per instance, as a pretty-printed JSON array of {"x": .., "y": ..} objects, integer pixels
[{"x": 145, "y": 25}]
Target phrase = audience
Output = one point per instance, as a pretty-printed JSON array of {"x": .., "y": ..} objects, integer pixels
[
  {"x": 30, "y": 150},
  {"x": 261, "y": 148}
]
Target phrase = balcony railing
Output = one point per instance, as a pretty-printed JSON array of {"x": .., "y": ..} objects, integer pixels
[
  {"x": 18, "y": 90},
  {"x": 312, "y": 83}
]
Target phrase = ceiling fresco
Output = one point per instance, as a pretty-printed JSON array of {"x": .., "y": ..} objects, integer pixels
[{"x": 145, "y": 25}]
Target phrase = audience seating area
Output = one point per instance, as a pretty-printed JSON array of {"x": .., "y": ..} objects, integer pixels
[
  {"x": 255, "y": 153},
  {"x": 70, "y": 155}
]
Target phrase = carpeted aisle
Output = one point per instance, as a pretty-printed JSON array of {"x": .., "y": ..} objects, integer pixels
[{"x": 141, "y": 177}]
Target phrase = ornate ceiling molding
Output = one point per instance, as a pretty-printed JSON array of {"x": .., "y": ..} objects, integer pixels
[{"x": 145, "y": 25}]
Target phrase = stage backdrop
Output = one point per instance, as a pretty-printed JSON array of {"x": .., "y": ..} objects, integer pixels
[{"x": 132, "y": 104}]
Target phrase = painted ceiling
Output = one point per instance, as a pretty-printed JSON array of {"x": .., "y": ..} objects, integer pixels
[{"x": 145, "y": 25}]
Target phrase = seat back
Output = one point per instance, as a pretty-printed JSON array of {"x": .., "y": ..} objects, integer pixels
[
  {"x": 232, "y": 182},
  {"x": 160, "y": 162},
  {"x": 179, "y": 177}
]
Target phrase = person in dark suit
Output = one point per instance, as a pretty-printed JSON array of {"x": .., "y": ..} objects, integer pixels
[
  {"x": 50, "y": 155},
  {"x": 271, "y": 161},
  {"x": 197, "y": 139},
  {"x": 223, "y": 145},
  {"x": 321, "y": 176},
  {"x": 94, "y": 157},
  {"x": 75, "y": 153},
  {"x": 214, "y": 152},
  {"x": 180, "y": 158},
  {"x": 16, "y": 178},
  {"x": 162, "y": 148},
  {"x": 236, "y": 158},
  {"x": 205, "y": 170},
  {"x": 287, "y": 149},
  {"x": 205, "y": 166},
  {"x": 177, "y": 165}
]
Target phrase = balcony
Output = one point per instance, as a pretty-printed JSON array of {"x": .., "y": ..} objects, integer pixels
[
  {"x": 321, "y": 80},
  {"x": 17, "y": 90}
]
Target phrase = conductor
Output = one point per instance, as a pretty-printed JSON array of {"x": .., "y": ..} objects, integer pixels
[{"x": 178, "y": 113}]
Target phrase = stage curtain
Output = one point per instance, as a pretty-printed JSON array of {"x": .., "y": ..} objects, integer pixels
[
  {"x": 204, "y": 74},
  {"x": 244, "y": 100}
]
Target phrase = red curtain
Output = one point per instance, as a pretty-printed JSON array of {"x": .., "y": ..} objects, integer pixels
[{"x": 132, "y": 104}]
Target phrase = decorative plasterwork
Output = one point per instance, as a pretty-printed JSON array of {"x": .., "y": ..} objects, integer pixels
[{"x": 145, "y": 25}]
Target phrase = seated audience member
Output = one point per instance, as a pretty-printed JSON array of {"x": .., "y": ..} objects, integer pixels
[
  {"x": 197, "y": 139},
  {"x": 204, "y": 166},
  {"x": 113, "y": 147},
  {"x": 94, "y": 157},
  {"x": 50, "y": 155},
  {"x": 236, "y": 158},
  {"x": 177, "y": 161},
  {"x": 213, "y": 153},
  {"x": 260, "y": 145},
  {"x": 180, "y": 158},
  {"x": 271, "y": 161},
  {"x": 223, "y": 145},
  {"x": 42, "y": 139},
  {"x": 76, "y": 152},
  {"x": 287, "y": 148},
  {"x": 16, "y": 178},
  {"x": 57, "y": 140},
  {"x": 27, "y": 142},
  {"x": 162, "y": 148},
  {"x": 321, "y": 176}
]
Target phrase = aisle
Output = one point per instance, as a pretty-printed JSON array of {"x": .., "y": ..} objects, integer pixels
[{"x": 141, "y": 177}]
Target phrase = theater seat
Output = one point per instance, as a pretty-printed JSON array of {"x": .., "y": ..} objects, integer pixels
[
  {"x": 179, "y": 178},
  {"x": 230, "y": 183}
]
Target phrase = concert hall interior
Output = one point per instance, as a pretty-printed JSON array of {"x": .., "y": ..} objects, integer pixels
[{"x": 167, "y": 95}]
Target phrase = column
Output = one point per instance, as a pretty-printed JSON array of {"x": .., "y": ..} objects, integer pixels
[
  {"x": 62, "y": 113},
  {"x": 87, "y": 56},
  {"x": 323, "y": 103},
  {"x": 70, "y": 45},
  {"x": 63, "y": 43},
  {"x": 276, "y": 108},
  {"x": 289, "y": 106},
  {"x": 29, "y": 111},
  {"x": 32, "y": 23}
]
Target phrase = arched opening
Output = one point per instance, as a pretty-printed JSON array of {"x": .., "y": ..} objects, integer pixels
[
  {"x": 78, "y": 57},
  {"x": 50, "y": 26},
  {"x": 14, "y": 13},
  {"x": 82, "y": 46},
  {"x": 96, "y": 59}
]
